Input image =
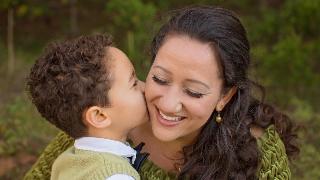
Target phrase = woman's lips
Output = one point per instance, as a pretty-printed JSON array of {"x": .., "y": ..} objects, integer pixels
[{"x": 168, "y": 121}]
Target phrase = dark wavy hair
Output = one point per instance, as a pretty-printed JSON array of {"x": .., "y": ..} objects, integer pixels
[
  {"x": 226, "y": 150},
  {"x": 69, "y": 77}
]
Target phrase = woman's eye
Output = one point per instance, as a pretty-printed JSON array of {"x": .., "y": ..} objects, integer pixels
[
  {"x": 194, "y": 94},
  {"x": 159, "y": 81}
]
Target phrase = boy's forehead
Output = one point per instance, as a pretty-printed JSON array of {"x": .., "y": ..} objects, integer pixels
[
  {"x": 113, "y": 54},
  {"x": 120, "y": 64}
]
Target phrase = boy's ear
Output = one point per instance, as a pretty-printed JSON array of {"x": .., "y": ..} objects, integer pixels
[
  {"x": 96, "y": 116},
  {"x": 226, "y": 98}
]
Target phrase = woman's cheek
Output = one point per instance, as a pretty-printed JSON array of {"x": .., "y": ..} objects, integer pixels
[
  {"x": 201, "y": 110},
  {"x": 148, "y": 88},
  {"x": 153, "y": 91}
]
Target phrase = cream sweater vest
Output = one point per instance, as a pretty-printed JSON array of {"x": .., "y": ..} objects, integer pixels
[{"x": 80, "y": 164}]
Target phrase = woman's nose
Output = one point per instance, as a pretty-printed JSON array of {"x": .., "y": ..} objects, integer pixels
[{"x": 170, "y": 100}]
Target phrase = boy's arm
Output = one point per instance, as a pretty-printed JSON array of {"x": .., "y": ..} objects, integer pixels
[{"x": 42, "y": 168}]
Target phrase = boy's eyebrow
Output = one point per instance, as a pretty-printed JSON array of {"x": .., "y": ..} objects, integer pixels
[{"x": 132, "y": 75}]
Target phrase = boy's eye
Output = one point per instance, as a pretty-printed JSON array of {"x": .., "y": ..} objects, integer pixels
[
  {"x": 159, "y": 81},
  {"x": 194, "y": 94},
  {"x": 135, "y": 83}
]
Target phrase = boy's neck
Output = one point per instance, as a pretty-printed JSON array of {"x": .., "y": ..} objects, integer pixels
[{"x": 107, "y": 134}]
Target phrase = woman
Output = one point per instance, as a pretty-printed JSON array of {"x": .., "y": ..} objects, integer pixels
[{"x": 204, "y": 121}]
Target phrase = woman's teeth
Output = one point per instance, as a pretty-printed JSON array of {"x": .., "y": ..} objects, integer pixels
[{"x": 170, "y": 118}]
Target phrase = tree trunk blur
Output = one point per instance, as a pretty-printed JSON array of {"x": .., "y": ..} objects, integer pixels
[
  {"x": 73, "y": 18},
  {"x": 10, "y": 41}
]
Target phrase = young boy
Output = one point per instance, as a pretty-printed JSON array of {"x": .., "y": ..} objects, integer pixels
[{"x": 89, "y": 89}]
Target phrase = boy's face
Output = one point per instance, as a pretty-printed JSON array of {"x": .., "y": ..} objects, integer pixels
[{"x": 128, "y": 107}]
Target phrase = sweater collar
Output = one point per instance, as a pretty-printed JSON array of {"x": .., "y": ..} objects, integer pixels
[{"x": 106, "y": 145}]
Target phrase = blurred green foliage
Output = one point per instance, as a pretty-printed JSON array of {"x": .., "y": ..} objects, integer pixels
[
  {"x": 307, "y": 165},
  {"x": 132, "y": 18},
  {"x": 285, "y": 49},
  {"x": 21, "y": 129},
  {"x": 285, "y": 44}
]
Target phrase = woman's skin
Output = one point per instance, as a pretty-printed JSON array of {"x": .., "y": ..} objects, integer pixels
[{"x": 183, "y": 84}]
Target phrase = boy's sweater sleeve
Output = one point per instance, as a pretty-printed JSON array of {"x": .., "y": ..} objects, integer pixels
[{"x": 42, "y": 168}]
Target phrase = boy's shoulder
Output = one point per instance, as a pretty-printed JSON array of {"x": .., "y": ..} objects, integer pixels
[{"x": 83, "y": 163}]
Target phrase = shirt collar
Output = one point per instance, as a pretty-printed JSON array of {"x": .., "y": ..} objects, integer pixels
[{"x": 106, "y": 145}]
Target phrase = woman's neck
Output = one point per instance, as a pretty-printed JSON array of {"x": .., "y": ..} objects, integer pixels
[{"x": 166, "y": 155}]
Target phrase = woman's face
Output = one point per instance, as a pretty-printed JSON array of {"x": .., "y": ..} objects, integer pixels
[{"x": 183, "y": 88}]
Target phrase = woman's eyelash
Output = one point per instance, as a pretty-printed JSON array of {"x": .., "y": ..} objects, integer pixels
[
  {"x": 194, "y": 94},
  {"x": 189, "y": 92},
  {"x": 159, "y": 81}
]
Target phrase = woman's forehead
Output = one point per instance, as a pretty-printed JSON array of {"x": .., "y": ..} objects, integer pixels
[
  {"x": 185, "y": 47},
  {"x": 187, "y": 54}
]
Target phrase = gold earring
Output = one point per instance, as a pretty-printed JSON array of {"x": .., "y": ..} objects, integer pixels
[{"x": 218, "y": 118}]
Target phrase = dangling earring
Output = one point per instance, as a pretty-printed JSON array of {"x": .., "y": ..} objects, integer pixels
[{"x": 218, "y": 117}]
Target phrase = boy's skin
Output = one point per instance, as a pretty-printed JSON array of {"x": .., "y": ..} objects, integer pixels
[{"x": 128, "y": 108}]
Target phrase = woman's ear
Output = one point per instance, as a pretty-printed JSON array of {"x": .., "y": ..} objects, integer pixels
[
  {"x": 96, "y": 117},
  {"x": 226, "y": 98}
]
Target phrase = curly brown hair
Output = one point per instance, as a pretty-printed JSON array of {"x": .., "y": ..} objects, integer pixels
[
  {"x": 69, "y": 77},
  {"x": 226, "y": 150}
]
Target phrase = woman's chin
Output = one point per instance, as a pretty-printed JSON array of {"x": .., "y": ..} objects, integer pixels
[{"x": 162, "y": 134}]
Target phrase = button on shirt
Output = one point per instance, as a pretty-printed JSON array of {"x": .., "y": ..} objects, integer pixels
[{"x": 110, "y": 146}]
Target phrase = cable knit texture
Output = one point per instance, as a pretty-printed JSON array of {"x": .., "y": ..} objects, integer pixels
[{"x": 274, "y": 162}]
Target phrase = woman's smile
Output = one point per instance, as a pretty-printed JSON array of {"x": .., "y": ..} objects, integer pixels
[{"x": 168, "y": 120}]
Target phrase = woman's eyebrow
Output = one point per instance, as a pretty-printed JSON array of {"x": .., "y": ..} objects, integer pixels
[{"x": 162, "y": 68}]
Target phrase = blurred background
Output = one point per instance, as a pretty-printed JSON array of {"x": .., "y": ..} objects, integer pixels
[{"x": 284, "y": 35}]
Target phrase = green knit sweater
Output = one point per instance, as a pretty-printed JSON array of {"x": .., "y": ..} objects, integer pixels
[
  {"x": 274, "y": 162},
  {"x": 89, "y": 165}
]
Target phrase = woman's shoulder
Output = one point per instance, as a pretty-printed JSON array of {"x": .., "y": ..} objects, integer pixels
[
  {"x": 42, "y": 168},
  {"x": 151, "y": 171},
  {"x": 274, "y": 160}
]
